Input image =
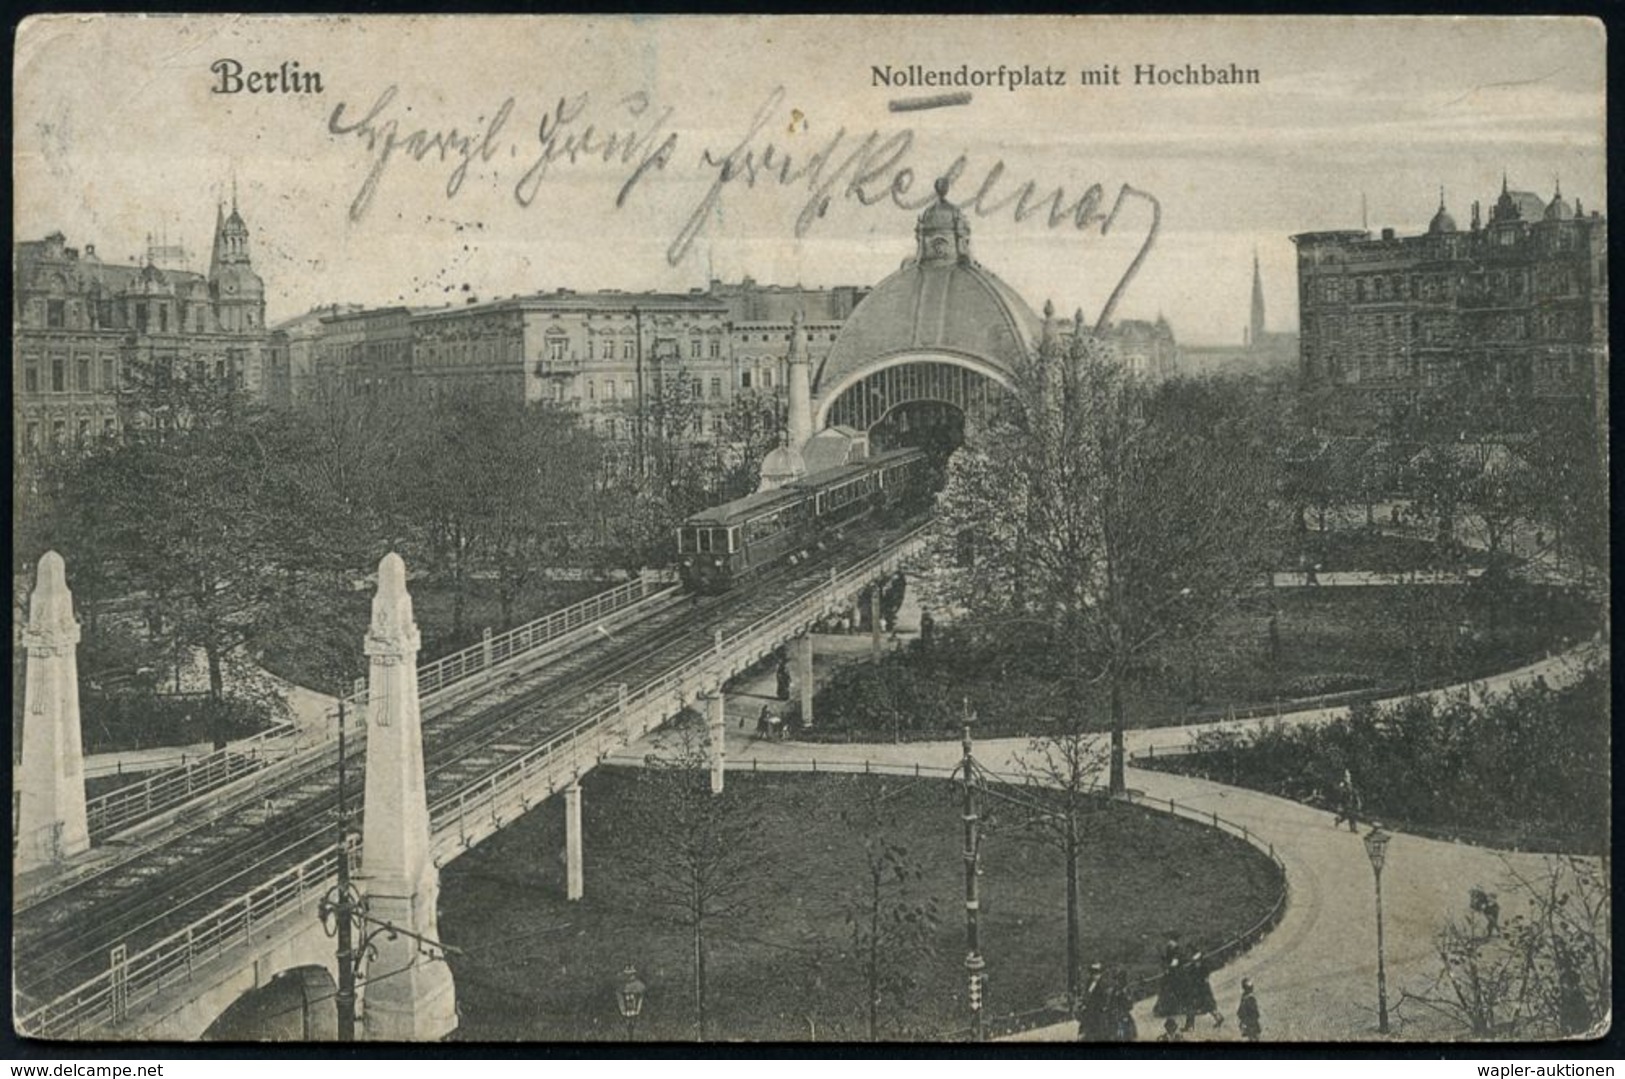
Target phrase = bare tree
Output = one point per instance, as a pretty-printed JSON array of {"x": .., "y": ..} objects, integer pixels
[
  {"x": 712, "y": 860},
  {"x": 892, "y": 927},
  {"x": 1546, "y": 971}
]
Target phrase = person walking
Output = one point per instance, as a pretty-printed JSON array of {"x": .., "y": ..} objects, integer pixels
[
  {"x": 1120, "y": 1009},
  {"x": 1095, "y": 1023},
  {"x": 1247, "y": 1012},
  {"x": 1348, "y": 803},
  {"x": 1198, "y": 995},
  {"x": 1171, "y": 991}
]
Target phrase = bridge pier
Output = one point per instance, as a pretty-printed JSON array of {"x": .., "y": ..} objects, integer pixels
[
  {"x": 51, "y": 821},
  {"x": 574, "y": 885},
  {"x": 408, "y": 994},
  {"x": 804, "y": 676},
  {"x": 716, "y": 731}
]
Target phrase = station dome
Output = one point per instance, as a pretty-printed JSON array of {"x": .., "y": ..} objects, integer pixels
[{"x": 941, "y": 300}]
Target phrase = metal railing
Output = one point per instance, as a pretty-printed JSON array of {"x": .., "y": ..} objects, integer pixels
[
  {"x": 455, "y": 821},
  {"x": 128, "y": 805},
  {"x": 133, "y": 979}
]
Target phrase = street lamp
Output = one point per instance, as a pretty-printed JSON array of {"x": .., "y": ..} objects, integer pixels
[
  {"x": 629, "y": 998},
  {"x": 1376, "y": 846}
]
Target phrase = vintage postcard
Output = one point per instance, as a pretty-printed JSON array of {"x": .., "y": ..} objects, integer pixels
[{"x": 559, "y": 529}]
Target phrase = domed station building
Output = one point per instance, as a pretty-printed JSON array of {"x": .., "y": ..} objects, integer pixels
[{"x": 931, "y": 345}]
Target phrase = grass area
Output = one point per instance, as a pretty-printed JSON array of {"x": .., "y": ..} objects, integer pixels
[
  {"x": 1523, "y": 770},
  {"x": 1372, "y": 641},
  {"x": 539, "y": 968},
  {"x": 1361, "y": 549}
]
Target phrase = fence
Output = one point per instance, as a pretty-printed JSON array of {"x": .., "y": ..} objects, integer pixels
[
  {"x": 455, "y": 821},
  {"x": 128, "y": 805}
]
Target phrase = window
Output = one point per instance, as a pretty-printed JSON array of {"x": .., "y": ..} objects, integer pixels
[
  {"x": 630, "y": 391},
  {"x": 767, "y": 380},
  {"x": 694, "y": 348},
  {"x": 163, "y": 318},
  {"x": 104, "y": 313},
  {"x": 555, "y": 348},
  {"x": 716, "y": 348},
  {"x": 108, "y": 427},
  {"x": 609, "y": 350},
  {"x": 141, "y": 318},
  {"x": 31, "y": 379},
  {"x": 697, "y": 388},
  {"x": 84, "y": 431},
  {"x": 614, "y": 429},
  {"x": 59, "y": 429},
  {"x": 716, "y": 387},
  {"x": 744, "y": 379},
  {"x": 55, "y": 314},
  {"x": 219, "y": 368},
  {"x": 107, "y": 373},
  {"x": 609, "y": 389},
  {"x": 59, "y": 376},
  {"x": 626, "y": 350},
  {"x": 33, "y": 436},
  {"x": 699, "y": 424},
  {"x": 81, "y": 374},
  {"x": 592, "y": 391}
]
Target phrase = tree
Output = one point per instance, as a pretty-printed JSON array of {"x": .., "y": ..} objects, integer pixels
[
  {"x": 1116, "y": 513},
  {"x": 748, "y": 429},
  {"x": 714, "y": 860},
  {"x": 1547, "y": 971},
  {"x": 1060, "y": 775},
  {"x": 892, "y": 929}
]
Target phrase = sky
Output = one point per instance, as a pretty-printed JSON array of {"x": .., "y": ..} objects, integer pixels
[{"x": 607, "y": 168}]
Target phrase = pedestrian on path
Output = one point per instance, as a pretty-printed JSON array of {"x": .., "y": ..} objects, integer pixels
[
  {"x": 764, "y": 722},
  {"x": 1095, "y": 1023},
  {"x": 1171, "y": 993},
  {"x": 1348, "y": 803},
  {"x": 1199, "y": 994},
  {"x": 1247, "y": 1012},
  {"x": 1120, "y": 1009}
]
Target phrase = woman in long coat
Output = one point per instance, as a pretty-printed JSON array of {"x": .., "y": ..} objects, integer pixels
[
  {"x": 1199, "y": 994},
  {"x": 1171, "y": 994}
]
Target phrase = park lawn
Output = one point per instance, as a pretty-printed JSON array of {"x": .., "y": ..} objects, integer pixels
[
  {"x": 1372, "y": 551},
  {"x": 1374, "y": 641},
  {"x": 537, "y": 967}
]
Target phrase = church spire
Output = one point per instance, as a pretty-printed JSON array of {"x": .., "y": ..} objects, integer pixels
[{"x": 1256, "y": 325}]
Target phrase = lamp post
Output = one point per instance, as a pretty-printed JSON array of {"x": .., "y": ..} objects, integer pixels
[
  {"x": 629, "y": 998},
  {"x": 974, "y": 963},
  {"x": 1376, "y": 845}
]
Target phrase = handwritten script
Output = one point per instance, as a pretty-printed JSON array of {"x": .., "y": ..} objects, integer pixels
[{"x": 636, "y": 139}]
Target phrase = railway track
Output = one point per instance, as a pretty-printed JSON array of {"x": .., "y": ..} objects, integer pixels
[{"x": 61, "y": 942}]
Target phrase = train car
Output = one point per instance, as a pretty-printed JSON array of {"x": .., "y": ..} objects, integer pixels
[{"x": 722, "y": 544}]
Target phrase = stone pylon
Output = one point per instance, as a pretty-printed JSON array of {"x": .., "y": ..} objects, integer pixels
[
  {"x": 407, "y": 995},
  {"x": 51, "y": 824}
]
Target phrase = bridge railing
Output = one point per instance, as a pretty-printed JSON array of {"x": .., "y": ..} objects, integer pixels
[
  {"x": 130, "y": 804},
  {"x": 130, "y": 980},
  {"x": 475, "y": 810}
]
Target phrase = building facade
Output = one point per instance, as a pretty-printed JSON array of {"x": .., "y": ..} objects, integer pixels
[
  {"x": 79, "y": 324},
  {"x": 1456, "y": 330}
]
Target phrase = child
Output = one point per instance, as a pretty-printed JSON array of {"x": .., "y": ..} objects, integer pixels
[{"x": 1247, "y": 1012}]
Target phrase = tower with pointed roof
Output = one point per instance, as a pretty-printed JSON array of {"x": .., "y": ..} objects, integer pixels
[
  {"x": 236, "y": 290},
  {"x": 1255, "y": 335}
]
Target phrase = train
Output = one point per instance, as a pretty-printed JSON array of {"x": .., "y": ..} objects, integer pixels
[{"x": 723, "y": 544}]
